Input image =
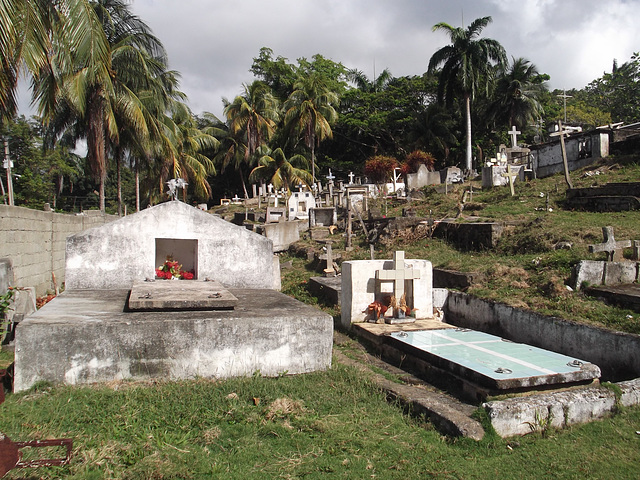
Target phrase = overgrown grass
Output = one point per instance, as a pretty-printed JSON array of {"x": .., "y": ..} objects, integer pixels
[{"x": 333, "y": 423}]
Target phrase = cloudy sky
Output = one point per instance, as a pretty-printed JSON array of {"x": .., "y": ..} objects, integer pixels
[{"x": 212, "y": 43}]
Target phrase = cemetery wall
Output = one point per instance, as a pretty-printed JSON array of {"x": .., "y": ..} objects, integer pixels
[
  {"x": 548, "y": 158},
  {"x": 35, "y": 243},
  {"x": 616, "y": 353}
]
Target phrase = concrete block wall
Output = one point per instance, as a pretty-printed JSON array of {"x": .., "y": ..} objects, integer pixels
[
  {"x": 35, "y": 243},
  {"x": 548, "y": 158}
]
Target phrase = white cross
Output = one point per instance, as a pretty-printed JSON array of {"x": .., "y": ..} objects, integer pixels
[
  {"x": 514, "y": 136},
  {"x": 330, "y": 177},
  {"x": 351, "y": 177},
  {"x": 511, "y": 176},
  {"x": 398, "y": 275}
]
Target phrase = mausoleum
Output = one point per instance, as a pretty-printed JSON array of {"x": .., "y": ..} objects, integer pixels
[{"x": 117, "y": 321}]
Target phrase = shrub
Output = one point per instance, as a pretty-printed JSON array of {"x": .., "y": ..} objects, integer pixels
[{"x": 380, "y": 168}]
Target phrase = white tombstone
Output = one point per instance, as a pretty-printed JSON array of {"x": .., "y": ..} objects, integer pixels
[
  {"x": 360, "y": 287},
  {"x": 299, "y": 205}
]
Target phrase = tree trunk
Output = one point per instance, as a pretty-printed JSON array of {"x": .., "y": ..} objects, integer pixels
[
  {"x": 137, "y": 173},
  {"x": 313, "y": 159},
  {"x": 118, "y": 155},
  {"x": 467, "y": 101},
  {"x": 244, "y": 187},
  {"x": 96, "y": 144}
]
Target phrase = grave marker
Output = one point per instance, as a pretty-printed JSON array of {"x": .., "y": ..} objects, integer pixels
[
  {"x": 514, "y": 136},
  {"x": 612, "y": 247},
  {"x": 511, "y": 176},
  {"x": 398, "y": 275}
]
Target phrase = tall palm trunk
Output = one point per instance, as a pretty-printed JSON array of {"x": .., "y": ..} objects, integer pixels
[
  {"x": 244, "y": 186},
  {"x": 467, "y": 102},
  {"x": 118, "y": 155},
  {"x": 96, "y": 143},
  {"x": 137, "y": 174}
]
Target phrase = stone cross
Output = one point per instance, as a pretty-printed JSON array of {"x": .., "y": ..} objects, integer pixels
[
  {"x": 329, "y": 271},
  {"x": 610, "y": 245},
  {"x": 351, "y": 177},
  {"x": 514, "y": 136},
  {"x": 330, "y": 177},
  {"x": 398, "y": 275},
  {"x": 511, "y": 176}
]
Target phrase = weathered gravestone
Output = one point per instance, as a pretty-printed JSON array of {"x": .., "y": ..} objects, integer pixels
[
  {"x": 367, "y": 281},
  {"x": 110, "y": 324},
  {"x": 610, "y": 246}
]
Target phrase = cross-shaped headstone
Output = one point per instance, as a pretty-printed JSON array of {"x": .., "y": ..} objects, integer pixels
[
  {"x": 511, "y": 176},
  {"x": 398, "y": 275},
  {"x": 610, "y": 245},
  {"x": 351, "y": 177},
  {"x": 329, "y": 271},
  {"x": 514, "y": 136},
  {"x": 330, "y": 177}
]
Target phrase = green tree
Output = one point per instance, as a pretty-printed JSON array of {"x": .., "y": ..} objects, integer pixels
[
  {"x": 282, "y": 172},
  {"x": 466, "y": 64},
  {"x": 31, "y": 30},
  {"x": 360, "y": 80},
  {"x": 618, "y": 92},
  {"x": 309, "y": 113},
  {"x": 517, "y": 95},
  {"x": 252, "y": 118},
  {"x": 104, "y": 108},
  {"x": 185, "y": 158}
]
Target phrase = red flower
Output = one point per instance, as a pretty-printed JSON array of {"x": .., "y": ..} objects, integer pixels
[{"x": 187, "y": 275}]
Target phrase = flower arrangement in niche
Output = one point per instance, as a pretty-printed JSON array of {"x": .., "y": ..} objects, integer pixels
[{"x": 171, "y": 269}]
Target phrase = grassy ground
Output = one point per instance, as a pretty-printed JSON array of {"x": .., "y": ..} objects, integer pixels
[
  {"x": 337, "y": 423},
  {"x": 332, "y": 424}
]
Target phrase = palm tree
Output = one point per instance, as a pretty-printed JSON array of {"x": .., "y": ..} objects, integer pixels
[
  {"x": 31, "y": 30},
  {"x": 517, "y": 95},
  {"x": 275, "y": 168},
  {"x": 107, "y": 107},
  {"x": 251, "y": 120},
  {"x": 466, "y": 62},
  {"x": 185, "y": 158},
  {"x": 433, "y": 130},
  {"x": 309, "y": 113},
  {"x": 369, "y": 86}
]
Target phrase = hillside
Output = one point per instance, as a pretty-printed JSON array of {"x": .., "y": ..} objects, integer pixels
[{"x": 527, "y": 269}]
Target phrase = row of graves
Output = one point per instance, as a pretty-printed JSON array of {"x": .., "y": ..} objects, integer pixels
[{"x": 173, "y": 292}]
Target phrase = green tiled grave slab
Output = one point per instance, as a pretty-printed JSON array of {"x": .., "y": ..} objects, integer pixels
[{"x": 494, "y": 362}]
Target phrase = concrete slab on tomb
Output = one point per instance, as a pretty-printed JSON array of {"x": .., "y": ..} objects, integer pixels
[
  {"x": 181, "y": 295},
  {"x": 86, "y": 336},
  {"x": 493, "y": 362}
]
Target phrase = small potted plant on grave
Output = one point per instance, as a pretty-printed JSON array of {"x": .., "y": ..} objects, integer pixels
[{"x": 172, "y": 270}]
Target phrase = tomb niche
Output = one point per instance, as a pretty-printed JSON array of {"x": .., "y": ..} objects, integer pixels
[{"x": 116, "y": 321}]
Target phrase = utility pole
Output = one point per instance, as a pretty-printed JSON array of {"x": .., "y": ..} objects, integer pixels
[
  {"x": 564, "y": 96},
  {"x": 7, "y": 166}
]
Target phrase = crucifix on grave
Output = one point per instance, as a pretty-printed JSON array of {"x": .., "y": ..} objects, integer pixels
[
  {"x": 514, "y": 136},
  {"x": 399, "y": 275},
  {"x": 351, "y": 177},
  {"x": 331, "y": 178},
  {"x": 612, "y": 247},
  {"x": 511, "y": 176}
]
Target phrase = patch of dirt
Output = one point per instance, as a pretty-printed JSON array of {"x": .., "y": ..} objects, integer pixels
[{"x": 283, "y": 407}]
